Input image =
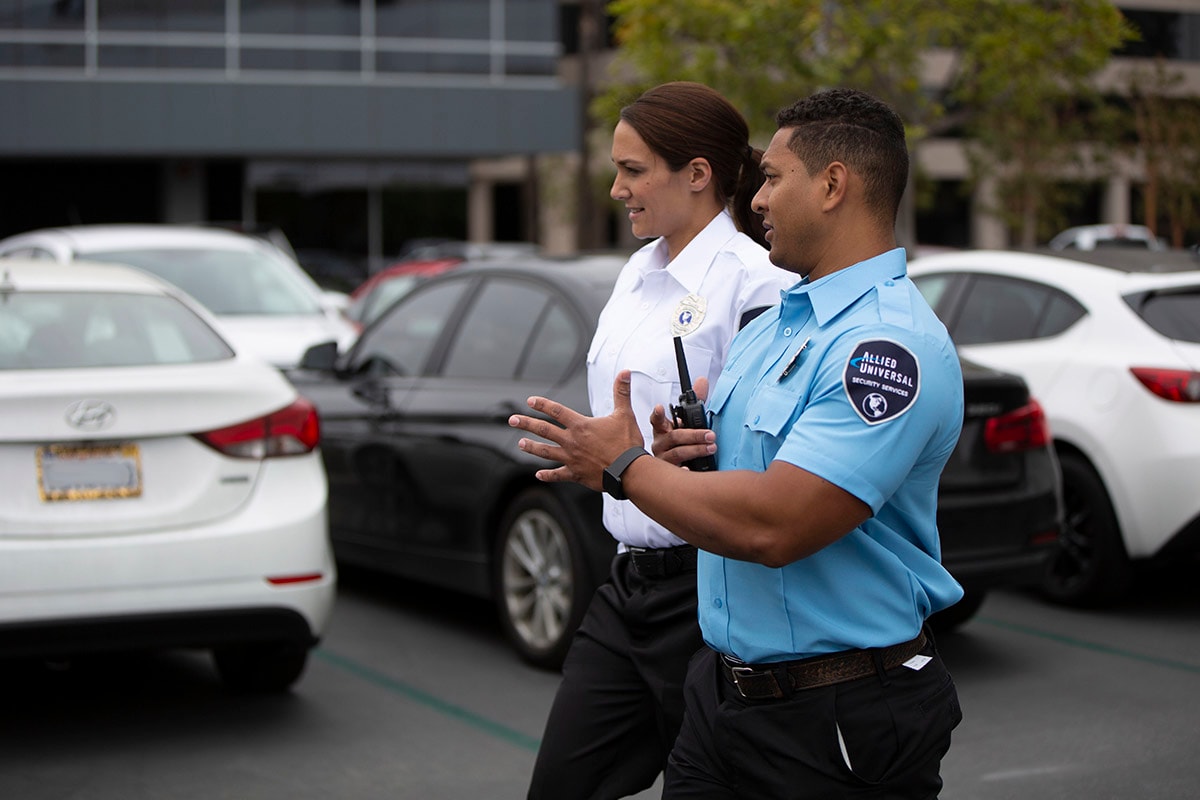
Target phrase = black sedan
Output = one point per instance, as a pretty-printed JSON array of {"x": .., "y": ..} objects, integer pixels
[
  {"x": 425, "y": 477},
  {"x": 426, "y": 481},
  {"x": 1000, "y": 506}
]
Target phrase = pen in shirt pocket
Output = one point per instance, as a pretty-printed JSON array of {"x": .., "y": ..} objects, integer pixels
[{"x": 792, "y": 363}]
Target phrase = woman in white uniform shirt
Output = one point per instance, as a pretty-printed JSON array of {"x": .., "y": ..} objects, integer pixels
[{"x": 685, "y": 173}]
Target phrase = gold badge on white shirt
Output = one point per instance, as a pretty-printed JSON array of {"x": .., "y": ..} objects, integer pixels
[{"x": 688, "y": 315}]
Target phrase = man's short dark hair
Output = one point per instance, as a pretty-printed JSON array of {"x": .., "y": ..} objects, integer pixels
[{"x": 857, "y": 129}]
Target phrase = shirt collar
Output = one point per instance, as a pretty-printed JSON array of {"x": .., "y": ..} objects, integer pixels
[
  {"x": 692, "y": 263},
  {"x": 832, "y": 294}
]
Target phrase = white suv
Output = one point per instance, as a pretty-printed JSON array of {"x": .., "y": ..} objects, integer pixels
[{"x": 1114, "y": 357}]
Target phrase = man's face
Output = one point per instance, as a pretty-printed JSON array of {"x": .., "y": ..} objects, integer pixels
[{"x": 790, "y": 202}]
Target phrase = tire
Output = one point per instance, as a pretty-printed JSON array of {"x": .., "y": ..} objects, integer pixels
[
  {"x": 540, "y": 578},
  {"x": 957, "y": 615},
  {"x": 268, "y": 668},
  {"x": 1090, "y": 566}
]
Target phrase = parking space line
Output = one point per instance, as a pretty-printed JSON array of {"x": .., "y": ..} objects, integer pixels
[
  {"x": 439, "y": 705},
  {"x": 1094, "y": 646}
]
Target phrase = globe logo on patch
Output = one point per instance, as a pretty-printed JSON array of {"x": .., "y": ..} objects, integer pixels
[{"x": 875, "y": 405}]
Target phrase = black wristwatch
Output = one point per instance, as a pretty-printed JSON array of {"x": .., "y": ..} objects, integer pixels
[{"x": 613, "y": 472}]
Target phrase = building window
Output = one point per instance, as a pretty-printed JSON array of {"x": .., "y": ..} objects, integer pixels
[{"x": 1164, "y": 34}]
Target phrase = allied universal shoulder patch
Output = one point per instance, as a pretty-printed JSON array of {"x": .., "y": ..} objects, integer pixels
[{"x": 882, "y": 379}]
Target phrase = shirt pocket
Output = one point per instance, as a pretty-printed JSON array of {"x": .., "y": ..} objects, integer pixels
[{"x": 771, "y": 411}]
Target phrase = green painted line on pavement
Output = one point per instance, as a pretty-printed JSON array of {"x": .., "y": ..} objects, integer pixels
[
  {"x": 1094, "y": 646},
  {"x": 430, "y": 701}
]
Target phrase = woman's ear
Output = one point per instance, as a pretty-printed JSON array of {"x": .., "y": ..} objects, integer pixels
[{"x": 699, "y": 174}]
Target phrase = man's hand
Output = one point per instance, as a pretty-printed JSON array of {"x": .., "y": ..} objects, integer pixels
[
  {"x": 583, "y": 445},
  {"x": 680, "y": 445}
]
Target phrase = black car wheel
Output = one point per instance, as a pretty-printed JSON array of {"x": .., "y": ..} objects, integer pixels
[
  {"x": 541, "y": 583},
  {"x": 1090, "y": 566},
  {"x": 263, "y": 668}
]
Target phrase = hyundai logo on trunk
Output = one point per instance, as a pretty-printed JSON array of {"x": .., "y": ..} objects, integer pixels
[{"x": 90, "y": 415}]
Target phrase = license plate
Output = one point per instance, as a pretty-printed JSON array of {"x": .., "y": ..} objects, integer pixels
[{"x": 89, "y": 473}]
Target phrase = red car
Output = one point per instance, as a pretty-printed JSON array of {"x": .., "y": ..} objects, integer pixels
[{"x": 385, "y": 287}]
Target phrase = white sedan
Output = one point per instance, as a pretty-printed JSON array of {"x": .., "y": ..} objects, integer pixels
[
  {"x": 157, "y": 488},
  {"x": 267, "y": 304},
  {"x": 1114, "y": 357}
]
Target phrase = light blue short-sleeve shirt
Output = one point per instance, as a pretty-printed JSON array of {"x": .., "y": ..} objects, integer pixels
[{"x": 854, "y": 379}]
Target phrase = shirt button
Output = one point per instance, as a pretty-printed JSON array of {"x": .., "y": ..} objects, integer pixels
[
  {"x": 787, "y": 331},
  {"x": 756, "y": 419},
  {"x": 717, "y": 602},
  {"x": 889, "y": 283},
  {"x": 645, "y": 306}
]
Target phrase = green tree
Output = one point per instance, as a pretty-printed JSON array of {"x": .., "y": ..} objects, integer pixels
[
  {"x": 1026, "y": 76},
  {"x": 999, "y": 59}
]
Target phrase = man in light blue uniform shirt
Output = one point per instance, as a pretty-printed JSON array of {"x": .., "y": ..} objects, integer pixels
[
  {"x": 820, "y": 563},
  {"x": 823, "y": 416}
]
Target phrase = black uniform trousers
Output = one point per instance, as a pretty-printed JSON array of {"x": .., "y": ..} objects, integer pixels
[
  {"x": 620, "y": 703},
  {"x": 880, "y": 736}
]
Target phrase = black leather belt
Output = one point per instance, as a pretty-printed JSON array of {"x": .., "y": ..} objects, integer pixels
[
  {"x": 757, "y": 681},
  {"x": 662, "y": 562}
]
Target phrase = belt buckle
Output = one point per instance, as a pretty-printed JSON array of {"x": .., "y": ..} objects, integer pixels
[
  {"x": 737, "y": 673},
  {"x": 749, "y": 672}
]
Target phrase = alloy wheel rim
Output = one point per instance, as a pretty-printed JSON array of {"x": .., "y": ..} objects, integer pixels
[{"x": 537, "y": 579}]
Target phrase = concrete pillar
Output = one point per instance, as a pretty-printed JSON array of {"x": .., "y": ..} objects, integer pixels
[
  {"x": 480, "y": 216},
  {"x": 1116, "y": 209},
  {"x": 987, "y": 231}
]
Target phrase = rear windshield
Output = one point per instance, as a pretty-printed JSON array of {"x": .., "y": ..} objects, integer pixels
[
  {"x": 224, "y": 281},
  {"x": 70, "y": 330},
  {"x": 1174, "y": 314}
]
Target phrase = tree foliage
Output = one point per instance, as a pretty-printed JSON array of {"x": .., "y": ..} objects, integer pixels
[
  {"x": 1026, "y": 76},
  {"x": 1016, "y": 72},
  {"x": 1166, "y": 132}
]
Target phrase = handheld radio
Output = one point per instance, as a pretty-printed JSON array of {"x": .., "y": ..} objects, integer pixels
[{"x": 690, "y": 411}]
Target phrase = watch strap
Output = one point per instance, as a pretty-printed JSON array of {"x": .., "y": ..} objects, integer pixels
[{"x": 613, "y": 485}]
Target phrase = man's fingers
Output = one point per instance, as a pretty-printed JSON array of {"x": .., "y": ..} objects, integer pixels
[
  {"x": 621, "y": 402},
  {"x": 556, "y": 475},
  {"x": 659, "y": 421},
  {"x": 549, "y": 452},
  {"x": 684, "y": 444},
  {"x": 700, "y": 387},
  {"x": 556, "y": 411}
]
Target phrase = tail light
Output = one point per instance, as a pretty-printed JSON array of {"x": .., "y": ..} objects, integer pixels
[
  {"x": 1022, "y": 429},
  {"x": 291, "y": 431},
  {"x": 1176, "y": 385}
]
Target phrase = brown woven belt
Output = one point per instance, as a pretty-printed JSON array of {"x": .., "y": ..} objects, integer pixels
[{"x": 757, "y": 681}]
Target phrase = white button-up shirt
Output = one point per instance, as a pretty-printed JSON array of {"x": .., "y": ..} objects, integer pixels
[{"x": 702, "y": 297}]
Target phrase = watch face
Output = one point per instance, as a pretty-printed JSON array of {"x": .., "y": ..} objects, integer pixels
[{"x": 612, "y": 485}]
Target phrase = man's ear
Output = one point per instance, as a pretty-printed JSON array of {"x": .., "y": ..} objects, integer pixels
[
  {"x": 836, "y": 182},
  {"x": 699, "y": 174}
]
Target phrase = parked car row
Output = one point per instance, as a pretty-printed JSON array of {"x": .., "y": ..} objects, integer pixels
[
  {"x": 1081, "y": 389},
  {"x": 426, "y": 481}
]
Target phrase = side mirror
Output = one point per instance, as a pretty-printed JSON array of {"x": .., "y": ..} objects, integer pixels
[{"x": 320, "y": 357}]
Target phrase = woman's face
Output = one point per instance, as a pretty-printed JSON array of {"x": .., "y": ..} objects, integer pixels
[{"x": 655, "y": 198}]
